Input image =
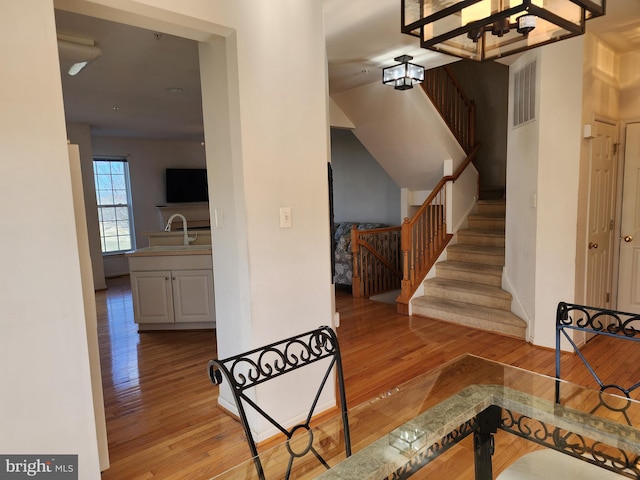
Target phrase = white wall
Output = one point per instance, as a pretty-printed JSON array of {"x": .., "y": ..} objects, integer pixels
[
  {"x": 362, "y": 190},
  {"x": 273, "y": 152},
  {"x": 46, "y": 402},
  {"x": 630, "y": 86},
  {"x": 420, "y": 138},
  {"x": 542, "y": 189},
  {"x": 558, "y": 171},
  {"x": 522, "y": 187}
]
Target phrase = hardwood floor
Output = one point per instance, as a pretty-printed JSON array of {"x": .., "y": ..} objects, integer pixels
[{"x": 163, "y": 421}]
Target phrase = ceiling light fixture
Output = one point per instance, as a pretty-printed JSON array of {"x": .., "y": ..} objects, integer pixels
[
  {"x": 489, "y": 29},
  {"x": 404, "y": 75},
  {"x": 77, "y": 50}
]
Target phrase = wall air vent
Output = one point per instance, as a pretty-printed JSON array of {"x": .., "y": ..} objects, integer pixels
[{"x": 524, "y": 95}]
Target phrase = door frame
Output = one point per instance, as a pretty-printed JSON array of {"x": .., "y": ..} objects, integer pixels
[
  {"x": 622, "y": 145},
  {"x": 617, "y": 213}
]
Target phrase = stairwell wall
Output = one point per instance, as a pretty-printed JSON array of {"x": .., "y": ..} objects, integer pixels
[
  {"x": 542, "y": 188},
  {"x": 487, "y": 83},
  {"x": 362, "y": 190},
  {"x": 521, "y": 219}
]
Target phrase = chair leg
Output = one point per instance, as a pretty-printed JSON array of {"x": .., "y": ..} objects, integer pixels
[{"x": 483, "y": 443}]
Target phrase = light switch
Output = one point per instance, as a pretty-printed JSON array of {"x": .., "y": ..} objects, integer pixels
[
  {"x": 285, "y": 217},
  {"x": 219, "y": 218}
]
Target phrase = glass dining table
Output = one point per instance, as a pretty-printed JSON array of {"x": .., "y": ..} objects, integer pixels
[{"x": 468, "y": 419}]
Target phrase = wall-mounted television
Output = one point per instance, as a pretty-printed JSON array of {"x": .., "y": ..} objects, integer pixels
[{"x": 186, "y": 185}]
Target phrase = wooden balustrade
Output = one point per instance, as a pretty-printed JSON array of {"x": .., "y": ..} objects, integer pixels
[
  {"x": 424, "y": 237},
  {"x": 376, "y": 261},
  {"x": 455, "y": 108}
]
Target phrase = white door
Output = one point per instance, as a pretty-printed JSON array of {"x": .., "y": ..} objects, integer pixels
[
  {"x": 629, "y": 271},
  {"x": 193, "y": 295},
  {"x": 601, "y": 216}
]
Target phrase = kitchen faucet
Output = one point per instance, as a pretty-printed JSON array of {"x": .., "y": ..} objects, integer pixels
[{"x": 186, "y": 239}]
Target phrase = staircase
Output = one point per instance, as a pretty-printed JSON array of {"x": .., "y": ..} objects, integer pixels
[{"x": 466, "y": 289}]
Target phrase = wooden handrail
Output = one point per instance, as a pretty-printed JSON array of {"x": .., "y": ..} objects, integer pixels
[
  {"x": 455, "y": 108},
  {"x": 443, "y": 181},
  {"x": 424, "y": 237}
]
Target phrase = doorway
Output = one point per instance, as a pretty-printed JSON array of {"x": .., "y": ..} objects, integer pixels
[
  {"x": 602, "y": 180},
  {"x": 629, "y": 271},
  {"x": 102, "y": 17}
]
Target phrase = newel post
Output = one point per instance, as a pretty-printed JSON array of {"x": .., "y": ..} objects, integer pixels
[
  {"x": 356, "y": 289},
  {"x": 402, "y": 302}
]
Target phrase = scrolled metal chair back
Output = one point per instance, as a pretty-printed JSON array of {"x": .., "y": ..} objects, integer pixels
[
  {"x": 596, "y": 321},
  {"x": 247, "y": 370}
]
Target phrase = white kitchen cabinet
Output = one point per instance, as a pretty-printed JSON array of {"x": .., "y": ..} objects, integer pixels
[
  {"x": 152, "y": 297},
  {"x": 172, "y": 292},
  {"x": 192, "y": 295}
]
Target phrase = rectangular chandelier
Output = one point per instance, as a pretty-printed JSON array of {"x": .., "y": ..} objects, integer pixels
[
  {"x": 489, "y": 29},
  {"x": 404, "y": 75}
]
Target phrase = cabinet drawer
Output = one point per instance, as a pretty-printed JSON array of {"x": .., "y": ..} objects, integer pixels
[{"x": 170, "y": 262}]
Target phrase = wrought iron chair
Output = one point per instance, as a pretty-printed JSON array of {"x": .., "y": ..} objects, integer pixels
[
  {"x": 596, "y": 321},
  {"x": 566, "y": 461},
  {"x": 247, "y": 370}
]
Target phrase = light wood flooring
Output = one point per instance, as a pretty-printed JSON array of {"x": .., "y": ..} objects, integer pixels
[{"x": 163, "y": 421}]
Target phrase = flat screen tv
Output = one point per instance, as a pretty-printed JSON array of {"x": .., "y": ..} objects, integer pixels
[{"x": 186, "y": 185}]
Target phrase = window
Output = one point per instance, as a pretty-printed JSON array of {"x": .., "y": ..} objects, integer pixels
[{"x": 113, "y": 195}]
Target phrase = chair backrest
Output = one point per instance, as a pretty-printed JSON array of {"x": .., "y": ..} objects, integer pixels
[
  {"x": 247, "y": 370},
  {"x": 596, "y": 321}
]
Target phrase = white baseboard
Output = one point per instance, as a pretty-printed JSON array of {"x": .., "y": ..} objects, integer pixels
[{"x": 516, "y": 305}]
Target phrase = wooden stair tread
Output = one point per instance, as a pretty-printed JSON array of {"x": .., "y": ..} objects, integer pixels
[
  {"x": 471, "y": 267},
  {"x": 468, "y": 287},
  {"x": 475, "y": 316}
]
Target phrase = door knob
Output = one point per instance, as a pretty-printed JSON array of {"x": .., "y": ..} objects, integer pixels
[
  {"x": 627, "y": 238},
  {"x": 592, "y": 245}
]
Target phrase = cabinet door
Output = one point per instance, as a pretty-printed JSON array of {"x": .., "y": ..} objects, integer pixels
[
  {"x": 193, "y": 295},
  {"x": 152, "y": 299}
]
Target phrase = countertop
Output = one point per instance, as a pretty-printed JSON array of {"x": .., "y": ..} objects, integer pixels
[{"x": 163, "y": 250}]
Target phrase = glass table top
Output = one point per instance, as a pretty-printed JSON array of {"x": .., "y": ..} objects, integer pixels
[{"x": 399, "y": 432}]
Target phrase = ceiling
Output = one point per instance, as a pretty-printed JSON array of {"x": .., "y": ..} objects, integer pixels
[{"x": 147, "y": 84}]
